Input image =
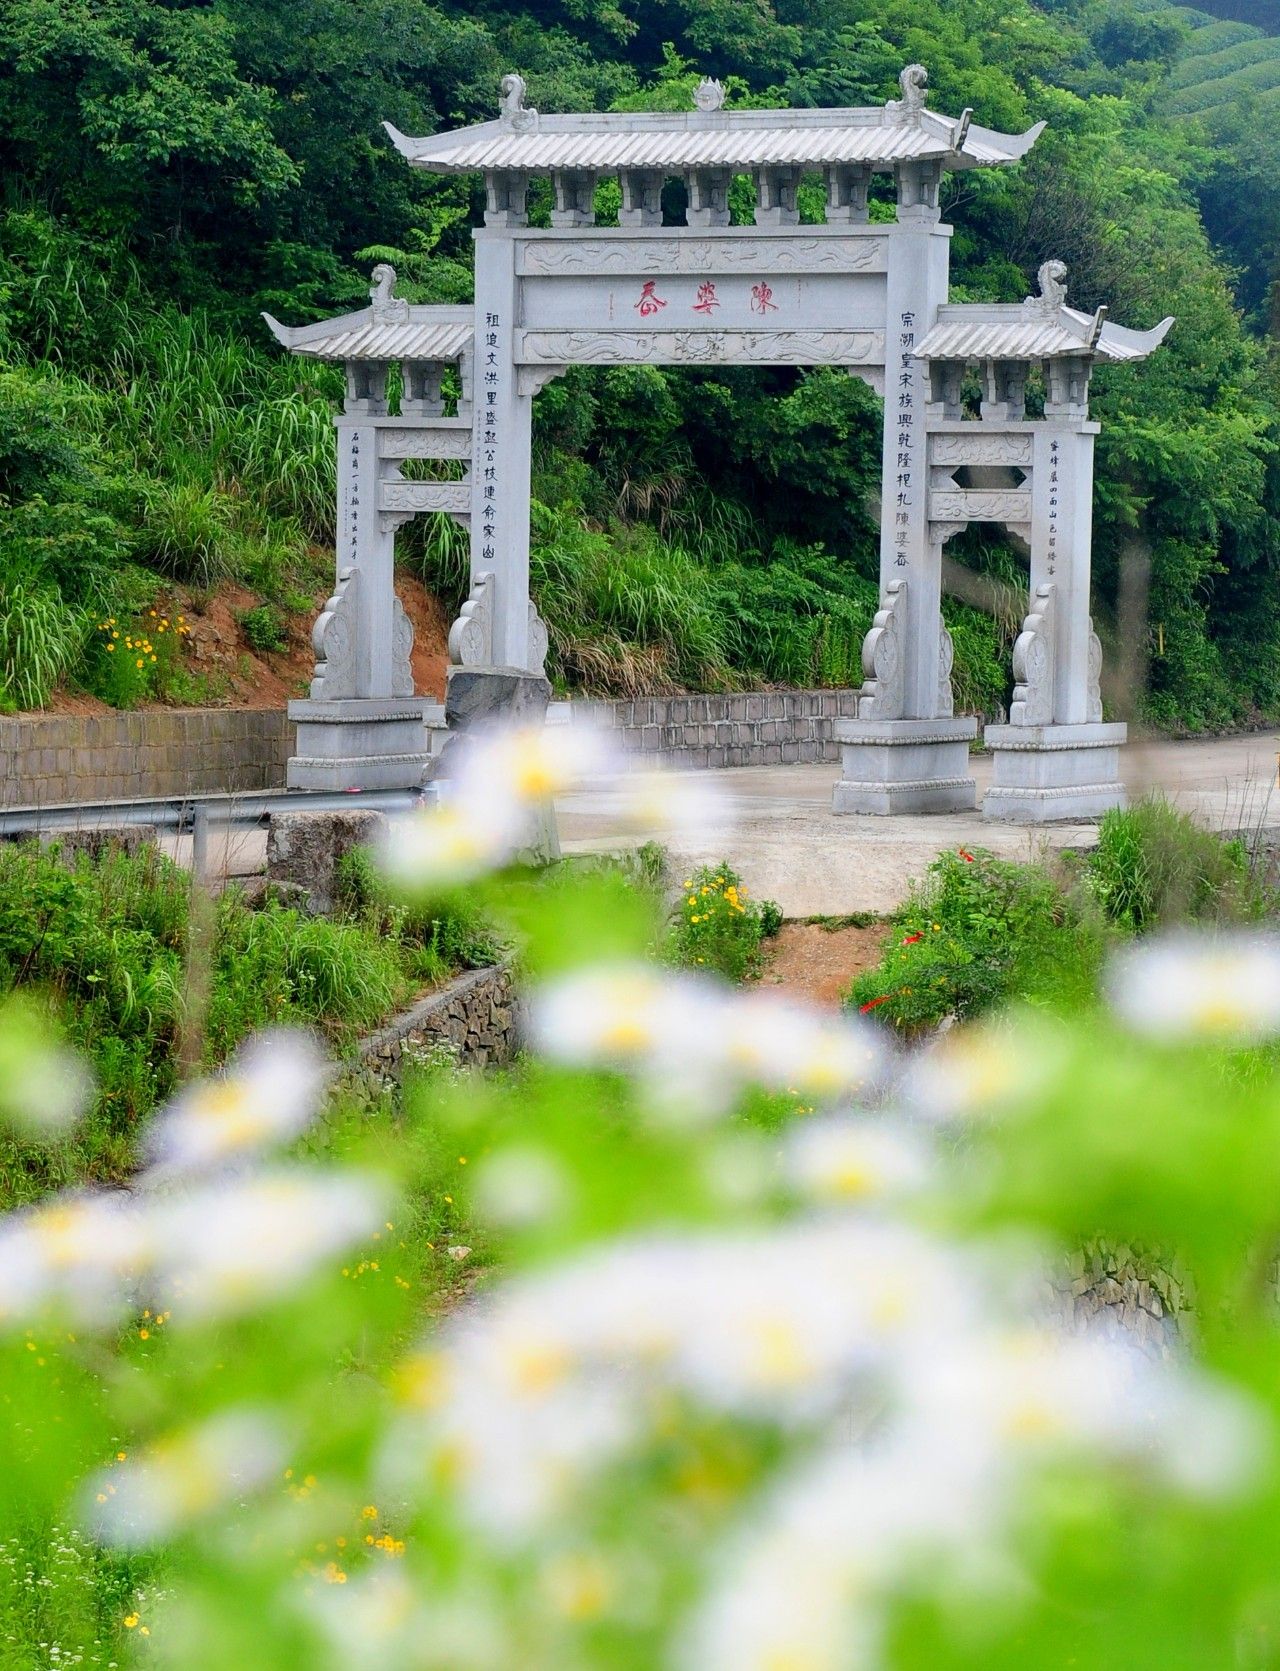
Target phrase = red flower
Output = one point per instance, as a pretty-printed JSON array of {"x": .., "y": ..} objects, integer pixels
[
  {"x": 912, "y": 938},
  {"x": 966, "y": 856},
  {"x": 874, "y": 1001}
]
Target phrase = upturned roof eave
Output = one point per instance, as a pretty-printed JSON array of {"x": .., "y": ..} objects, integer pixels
[{"x": 933, "y": 138}]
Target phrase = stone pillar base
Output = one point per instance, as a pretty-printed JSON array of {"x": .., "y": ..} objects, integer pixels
[
  {"x": 1043, "y": 773},
  {"x": 364, "y": 742},
  {"x": 904, "y": 765}
]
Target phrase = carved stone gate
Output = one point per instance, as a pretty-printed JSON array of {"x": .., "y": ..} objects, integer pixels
[{"x": 867, "y": 296}]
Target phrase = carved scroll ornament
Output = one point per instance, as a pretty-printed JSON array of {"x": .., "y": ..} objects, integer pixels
[
  {"x": 1093, "y": 711},
  {"x": 882, "y": 695},
  {"x": 980, "y": 449},
  {"x": 401, "y": 649},
  {"x": 1033, "y": 663},
  {"x": 666, "y": 256},
  {"x": 471, "y": 635},
  {"x": 701, "y": 347},
  {"x": 333, "y": 638}
]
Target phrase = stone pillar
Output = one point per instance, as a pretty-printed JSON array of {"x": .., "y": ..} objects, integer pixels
[
  {"x": 906, "y": 752},
  {"x": 362, "y": 727},
  {"x": 501, "y": 468},
  {"x": 1056, "y": 759}
]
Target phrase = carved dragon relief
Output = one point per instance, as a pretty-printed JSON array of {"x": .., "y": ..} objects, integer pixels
[
  {"x": 333, "y": 638},
  {"x": 427, "y": 442},
  {"x": 954, "y": 450},
  {"x": 701, "y": 347},
  {"x": 1033, "y": 663},
  {"x": 704, "y": 255},
  {"x": 980, "y": 505},
  {"x": 882, "y": 695}
]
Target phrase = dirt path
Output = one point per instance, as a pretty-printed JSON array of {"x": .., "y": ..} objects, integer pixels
[{"x": 817, "y": 963}]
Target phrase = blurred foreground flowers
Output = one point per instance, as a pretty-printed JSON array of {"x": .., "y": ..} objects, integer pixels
[{"x": 772, "y": 1373}]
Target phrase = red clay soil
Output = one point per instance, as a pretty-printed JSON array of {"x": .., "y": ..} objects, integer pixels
[
  {"x": 817, "y": 963},
  {"x": 240, "y": 677}
]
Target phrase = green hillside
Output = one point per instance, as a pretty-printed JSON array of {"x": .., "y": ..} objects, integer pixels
[{"x": 167, "y": 170}]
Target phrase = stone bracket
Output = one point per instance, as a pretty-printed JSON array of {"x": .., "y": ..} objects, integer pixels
[
  {"x": 333, "y": 638},
  {"x": 471, "y": 635},
  {"x": 1034, "y": 663},
  {"x": 882, "y": 695}
]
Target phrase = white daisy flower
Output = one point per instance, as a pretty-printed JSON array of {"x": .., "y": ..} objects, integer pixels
[
  {"x": 1199, "y": 987},
  {"x": 81, "y": 1252},
  {"x": 241, "y": 1241},
  {"x": 184, "y": 1478},
  {"x": 44, "y": 1087},
  {"x": 265, "y": 1097},
  {"x": 448, "y": 843},
  {"x": 842, "y": 1159}
]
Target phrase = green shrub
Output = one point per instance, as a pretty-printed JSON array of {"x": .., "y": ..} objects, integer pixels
[
  {"x": 127, "y": 663},
  {"x": 105, "y": 941},
  {"x": 720, "y": 927},
  {"x": 263, "y": 628},
  {"x": 976, "y": 933},
  {"x": 1155, "y": 866}
]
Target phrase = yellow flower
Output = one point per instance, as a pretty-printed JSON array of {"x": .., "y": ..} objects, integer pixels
[
  {"x": 111, "y": 649},
  {"x": 130, "y": 1621},
  {"x": 139, "y": 662}
]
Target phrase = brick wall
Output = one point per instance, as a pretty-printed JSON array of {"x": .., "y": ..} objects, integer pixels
[
  {"x": 116, "y": 757},
  {"x": 756, "y": 728}
]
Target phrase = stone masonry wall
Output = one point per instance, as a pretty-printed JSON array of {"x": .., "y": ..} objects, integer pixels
[
  {"x": 746, "y": 728},
  {"x": 46, "y": 758},
  {"x": 476, "y": 1013}
]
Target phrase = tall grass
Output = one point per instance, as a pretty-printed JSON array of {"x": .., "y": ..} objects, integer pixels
[{"x": 41, "y": 639}]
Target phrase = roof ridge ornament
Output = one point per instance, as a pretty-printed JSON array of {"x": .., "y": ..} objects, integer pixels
[
  {"x": 1052, "y": 278},
  {"x": 514, "y": 112},
  {"x": 708, "y": 95},
  {"x": 910, "y": 107},
  {"x": 388, "y": 308}
]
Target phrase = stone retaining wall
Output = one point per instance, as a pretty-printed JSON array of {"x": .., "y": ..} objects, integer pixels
[
  {"x": 50, "y": 758},
  {"x": 476, "y": 1014},
  {"x": 745, "y": 728}
]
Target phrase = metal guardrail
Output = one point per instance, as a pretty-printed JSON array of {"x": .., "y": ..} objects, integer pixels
[{"x": 180, "y": 814}]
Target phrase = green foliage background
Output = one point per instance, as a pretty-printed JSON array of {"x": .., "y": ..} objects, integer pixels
[{"x": 171, "y": 169}]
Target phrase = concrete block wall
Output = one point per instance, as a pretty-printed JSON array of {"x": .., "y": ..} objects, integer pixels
[
  {"x": 743, "y": 728},
  {"x": 50, "y": 758}
]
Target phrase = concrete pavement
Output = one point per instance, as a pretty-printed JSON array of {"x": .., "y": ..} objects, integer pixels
[
  {"x": 780, "y": 833},
  {"x": 783, "y": 838}
]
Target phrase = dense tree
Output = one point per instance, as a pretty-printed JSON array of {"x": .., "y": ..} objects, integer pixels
[{"x": 171, "y": 166}]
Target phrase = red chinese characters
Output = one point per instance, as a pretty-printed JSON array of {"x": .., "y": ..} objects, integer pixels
[
  {"x": 707, "y": 300},
  {"x": 650, "y": 301},
  {"x": 762, "y": 298}
]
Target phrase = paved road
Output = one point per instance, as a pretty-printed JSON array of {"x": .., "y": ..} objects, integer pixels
[{"x": 782, "y": 836}]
